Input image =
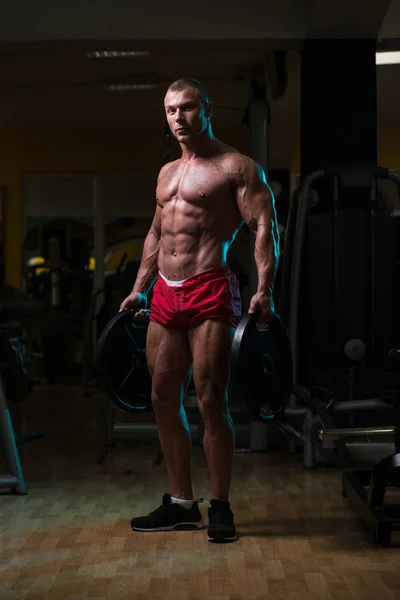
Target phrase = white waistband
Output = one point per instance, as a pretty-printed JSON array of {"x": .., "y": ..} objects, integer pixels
[{"x": 171, "y": 283}]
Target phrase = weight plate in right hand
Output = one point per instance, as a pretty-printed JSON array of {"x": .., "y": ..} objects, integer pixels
[
  {"x": 121, "y": 364},
  {"x": 262, "y": 367}
]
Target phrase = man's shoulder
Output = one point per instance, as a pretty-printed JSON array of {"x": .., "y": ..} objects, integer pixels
[
  {"x": 169, "y": 165},
  {"x": 238, "y": 164},
  {"x": 172, "y": 165}
]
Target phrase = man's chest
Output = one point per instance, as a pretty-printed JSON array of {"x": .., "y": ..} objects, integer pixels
[{"x": 197, "y": 183}]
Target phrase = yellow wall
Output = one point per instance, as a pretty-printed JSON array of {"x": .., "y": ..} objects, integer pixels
[
  {"x": 389, "y": 149},
  {"x": 73, "y": 152}
]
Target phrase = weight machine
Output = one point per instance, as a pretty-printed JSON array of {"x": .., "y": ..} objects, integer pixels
[
  {"x": 340, "y": 281},
  {"x": 340, "y": 293},
  {"x": 13, "y": 387},
  {"x": 367, "y": 488},
  {"x": 19, "y": 315}
]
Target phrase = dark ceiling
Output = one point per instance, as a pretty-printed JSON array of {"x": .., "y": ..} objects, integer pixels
[{"x": 47, "y": 81}]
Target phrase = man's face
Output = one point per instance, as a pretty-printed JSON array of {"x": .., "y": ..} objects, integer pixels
[{"x": 187, "y": 114}]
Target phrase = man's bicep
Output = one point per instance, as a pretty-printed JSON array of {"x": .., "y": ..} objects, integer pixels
[{"x": 254, "y": 197}]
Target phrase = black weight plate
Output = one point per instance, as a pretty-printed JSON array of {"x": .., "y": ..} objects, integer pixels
[
  {"x": 262, "y": 367},
  {"x": 120, "y": 361}
]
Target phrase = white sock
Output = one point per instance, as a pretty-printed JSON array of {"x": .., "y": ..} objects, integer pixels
[{"x": 185, "y": 503}]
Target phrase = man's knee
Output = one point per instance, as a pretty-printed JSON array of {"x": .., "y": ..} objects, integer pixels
[
  {"x": 167, "y": 396},
  {"x": 158, "y": 400},
  {"x": 165, "y": 399},
  {"x": 212, "y": 401}
]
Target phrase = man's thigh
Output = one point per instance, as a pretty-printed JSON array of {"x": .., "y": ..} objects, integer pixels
[
  {"x": 169, "y": 358},
  {"x": 210, "y": 344}
]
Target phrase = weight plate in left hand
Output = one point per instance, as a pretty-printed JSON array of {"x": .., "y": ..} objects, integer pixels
[
  {"x": 262, "y": 367},
  {"x": 120, "y": 362}
]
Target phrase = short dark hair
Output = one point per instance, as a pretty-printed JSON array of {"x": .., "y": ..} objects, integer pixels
[{"x": 185, "y": 82}]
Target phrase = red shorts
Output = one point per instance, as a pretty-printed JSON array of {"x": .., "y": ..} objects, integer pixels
[{"x": 213, "y": 294}]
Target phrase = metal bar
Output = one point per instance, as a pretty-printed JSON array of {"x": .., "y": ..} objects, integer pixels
[
  {"x": 395, "y": 177},
  {"x": 342, "y": 433},
  {"x": 340, "y": 407},
  {"x": 54, "y": 261},
  {"x": 7, "y": 437},
  {"x": 287, "y": 259},
  {"x": 383, "y": 474},
  {"x": 55, "y": 279},
  {"x": 149, "y": 430},
  {"x": 140, "y": 431},
  {"x": 8, "y": 481},
  {"x": 295, "y": 280},
  {"x": 366, "y": 404},
  {"x": 110, "y": 423},
  {"x": 89, "y": 342},
  {"x": 291, "y": 431}
]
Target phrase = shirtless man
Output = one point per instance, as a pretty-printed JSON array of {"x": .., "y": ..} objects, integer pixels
[{"x": 203, "y": 199}]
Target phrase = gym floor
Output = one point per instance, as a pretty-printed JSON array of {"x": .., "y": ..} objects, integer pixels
[{"x": 69, "y": 537}]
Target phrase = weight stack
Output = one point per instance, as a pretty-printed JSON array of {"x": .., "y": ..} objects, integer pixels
[{"x": 349, "y": 296}]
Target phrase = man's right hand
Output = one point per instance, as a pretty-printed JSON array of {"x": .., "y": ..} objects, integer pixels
[{"x": 134, "y": 300}]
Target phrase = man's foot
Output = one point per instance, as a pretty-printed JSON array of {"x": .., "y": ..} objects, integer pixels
[
  {"x": 221, "y": 527},
  {"x": 169, "y": 517}
]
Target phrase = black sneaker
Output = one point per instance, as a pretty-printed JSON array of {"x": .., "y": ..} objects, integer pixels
[
  {"x": 221, "y": 527},
  {"x": 170, "y": 516}
]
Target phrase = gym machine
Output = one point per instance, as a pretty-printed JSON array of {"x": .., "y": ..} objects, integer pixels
[
  {"x": 367, "y": 489},
  {"x": 13, "y": 388},
  {"x": 339, "y": 280},
  {"x": 67, "y": 290}
]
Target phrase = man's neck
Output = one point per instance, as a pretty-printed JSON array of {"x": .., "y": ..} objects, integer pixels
[{"x": 200, "y": 147}]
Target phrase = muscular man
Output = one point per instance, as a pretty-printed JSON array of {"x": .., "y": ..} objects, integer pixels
[{"x": 203, "y": 199}]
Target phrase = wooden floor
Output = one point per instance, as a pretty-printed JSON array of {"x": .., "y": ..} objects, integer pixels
[{"x": 69, "y": 537}]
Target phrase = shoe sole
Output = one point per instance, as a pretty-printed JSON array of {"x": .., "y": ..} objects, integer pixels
[
  {"x": 221, "y": 539},
  {"x": 178, "y": 526}
]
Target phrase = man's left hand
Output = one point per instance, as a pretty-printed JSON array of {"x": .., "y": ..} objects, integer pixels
[{"x": 262, "y": 305}]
